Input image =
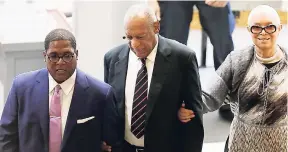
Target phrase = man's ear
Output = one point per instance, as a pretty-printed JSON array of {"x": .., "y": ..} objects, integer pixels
[
  {"x": 76, "y": 52},
  {"x": 156, "y": 26},
  {"x": 44, "y": 55}
]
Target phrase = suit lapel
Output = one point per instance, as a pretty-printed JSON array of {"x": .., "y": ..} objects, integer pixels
[
  {"x": 120, "y": 78},
  {"x": 77, "y": 107},
  {"x": 41, "y": 98},
  {"x": 161, "y": 67}
]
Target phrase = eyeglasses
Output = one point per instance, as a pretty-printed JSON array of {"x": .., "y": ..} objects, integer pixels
[
  {"x": 55, "y": 58},
  {"x": 255, "y": 29}
]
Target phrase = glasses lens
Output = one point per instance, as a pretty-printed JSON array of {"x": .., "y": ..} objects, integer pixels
[
  {"x": 270, "y": 29},
  {"x": 256, "y": 29},
  {"x": 53, "y": 58},
  {"x": 67, "y": 57}
]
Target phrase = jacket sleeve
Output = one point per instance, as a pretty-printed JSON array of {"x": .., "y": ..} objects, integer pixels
[
  {"x": 111, "y": 124},
  {"x": 218, "y": 87},
  {"x": 9, "y": 140},
  {"x": 192, "y": 132},
  {"x": 106, "y": 69}
]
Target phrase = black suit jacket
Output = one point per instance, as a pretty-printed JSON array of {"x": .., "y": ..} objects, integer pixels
[{"x": 175, "y": 79}]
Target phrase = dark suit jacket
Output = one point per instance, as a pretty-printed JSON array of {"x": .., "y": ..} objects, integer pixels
[
  {"x": 24, "y": 126},
  {"x": 175, "y": 79}
]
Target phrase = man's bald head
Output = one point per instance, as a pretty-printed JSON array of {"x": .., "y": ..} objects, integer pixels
[
  {"x": 140, "y": 11},
  {"x": 263, "y": 12}
]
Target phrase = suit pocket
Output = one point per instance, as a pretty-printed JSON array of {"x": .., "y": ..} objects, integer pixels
[
  {"x": 87, "y": 129},
  {"x": 81, "y": 121}
]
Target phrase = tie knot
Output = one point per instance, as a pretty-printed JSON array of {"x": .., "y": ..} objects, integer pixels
[
  {"x": 57, "y": 88},
  {"x": 143, "y": 60}
]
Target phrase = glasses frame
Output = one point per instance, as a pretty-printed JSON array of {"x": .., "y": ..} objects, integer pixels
[
  {"x": 61, "y": 57},
  {"x": 263, "y": 28}
]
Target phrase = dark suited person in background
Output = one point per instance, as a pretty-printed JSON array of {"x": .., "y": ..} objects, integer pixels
[
  {"x": 58, "y": 108},
  {"x": 175, "y": 18},
  {"x": 152, "y": 76}
]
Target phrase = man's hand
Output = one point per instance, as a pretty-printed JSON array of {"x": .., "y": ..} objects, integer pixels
[
  {"x": 106, "y": 147},
  {"x": 155, "y": 6},
  {"x": 216, "y": 3},
  {"x": 185, "y": 115}
]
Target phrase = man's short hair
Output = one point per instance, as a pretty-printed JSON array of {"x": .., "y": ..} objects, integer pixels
[
  {"x": 140, "y": 10},
  {"x": 60, "y": 34}
]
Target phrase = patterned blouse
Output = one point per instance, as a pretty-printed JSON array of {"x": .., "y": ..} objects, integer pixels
[{"x": 261, "y": 122}]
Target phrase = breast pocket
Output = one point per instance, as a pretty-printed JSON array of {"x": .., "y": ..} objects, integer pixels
[
  {"x": 86, "y": 134},
  {"x": 85, "y": 120},
  {"x": 87, "y": 128}
]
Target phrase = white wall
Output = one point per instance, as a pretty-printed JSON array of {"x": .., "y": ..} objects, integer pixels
[
  {"x": 285, "y": 5},
  {"x": 250, "y": 4},
  {"x": 2, "y": 78},
  {"x": 98, "y": 27}
]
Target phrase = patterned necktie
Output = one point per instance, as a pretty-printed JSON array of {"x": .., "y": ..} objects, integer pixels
[
  {"x": 140, "y": 102},
  {"x": 55, "y": 137}
]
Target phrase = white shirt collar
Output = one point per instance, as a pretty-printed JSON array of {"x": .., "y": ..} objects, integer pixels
[
  {"x": 66, "y": 86},
  {"x": 152, "y": 55}
]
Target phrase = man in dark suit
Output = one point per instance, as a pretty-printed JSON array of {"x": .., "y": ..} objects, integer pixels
[
  {"x": 152, "y": 76},
  {"x": 58, "y": 108}
]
